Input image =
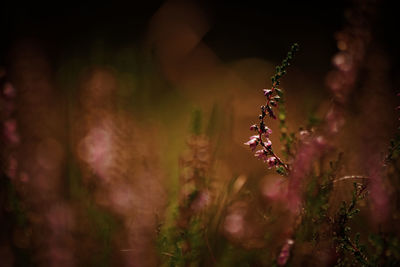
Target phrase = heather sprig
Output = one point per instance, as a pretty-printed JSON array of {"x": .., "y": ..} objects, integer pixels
[
  {"x": 350, "y": 250},
  {"x": 274, "y": 100}
]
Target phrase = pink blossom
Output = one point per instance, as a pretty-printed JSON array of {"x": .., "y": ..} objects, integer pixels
[
  {"x": 202, "y": 200},
  {"x": 10, "y": 131},
  {"x": 267, "y": 132},
  {"x": 234, "y": 224},
  {"x": 260, "y": 154},
  {"x": 285, "y": 252},
  {"x": 96, "y": 150},
  {"x": 253, "y": 142},
  {"x": 304, "y": 134},
  {"x": 274, "y": 188},
  {"x": 268, "y": 144},
  {"x": 10, "y": 125},
  {"x": 271, "y": 161},
  {"x": 267, "y": 92},
  {"x": 9, "y": 90},
  {"x": 343, "y": 61},
  {"x": 253, "y": 127}
]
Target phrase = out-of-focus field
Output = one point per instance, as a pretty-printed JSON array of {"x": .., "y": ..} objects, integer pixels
[{"x": 100, "y": 115}]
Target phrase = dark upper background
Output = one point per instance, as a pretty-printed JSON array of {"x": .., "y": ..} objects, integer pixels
[{"x": 238, "y": 28}]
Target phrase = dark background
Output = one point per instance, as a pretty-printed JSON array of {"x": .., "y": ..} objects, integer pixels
[{"x": 238, "y": 28}]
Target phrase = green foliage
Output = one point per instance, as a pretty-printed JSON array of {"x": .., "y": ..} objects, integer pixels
[
  {"x": 196, "y": 122},
  {"x": 280, "y": 70},
  {"x": 179, "y": 247},
  {"x": 313, "y": 121},
  {"x": 394, "y": 149},
  {"x": 103, "y": 224},
  {"x": 287, "y": 138},
  {"x": 386, "y": 249},
  {"x": 212, "y": 126},
  {"x": 315, "y": 216},
  {"x": 351, "y": 251}
]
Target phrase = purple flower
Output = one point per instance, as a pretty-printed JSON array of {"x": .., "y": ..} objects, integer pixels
[
  {"x": 253, "y": 127},
  {"x": 285, "y": 253},
  {"x": 10, "y": 131},
  {"x": 9, "y": 91},
  {"x": 201, "y": 201},
  {"x": 268, "y": 144},
  {"x": 253, "y": 142},
  {"x": 261, "y": 154},
  {"x": 267, "y": 132},
  {"x": 267, "y": 92},
  {"x": 271, "y": 161}
]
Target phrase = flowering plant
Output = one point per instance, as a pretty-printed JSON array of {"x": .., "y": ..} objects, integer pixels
[{"x": 274, "y": 98}]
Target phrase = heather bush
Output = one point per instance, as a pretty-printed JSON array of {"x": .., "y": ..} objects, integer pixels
[
  {"x": 316, "y": 213},
  {"x": 120, "y": 167},
  {"x": 324, "y": 222}
]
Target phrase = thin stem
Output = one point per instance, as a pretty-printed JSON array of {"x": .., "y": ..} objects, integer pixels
[
  {"x": 209, "y": 248},
  {"x": 272, "y": 100},
  {"x": 348, "y": 177}
]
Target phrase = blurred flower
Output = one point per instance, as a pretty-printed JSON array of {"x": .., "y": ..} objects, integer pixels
[
  {"x": 304, "y": 134},
  {"x": 10, "y": 131},
  {"x": 23, "y": 177},
  {"x": 95, "y": 149},
  {"x": 234, "y": 223},
  {"x": 343, "y": 61},
  {"x": 285, "y": 252},
  {"x": 274, "y": 188},
  {"x": 9, "y": 90},
  {"x": 201, "y": 201}
]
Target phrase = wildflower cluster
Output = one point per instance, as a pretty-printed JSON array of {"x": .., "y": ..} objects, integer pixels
[
  {"x": 273, "y": 98},
  {"x": 284, "y": 254}
]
